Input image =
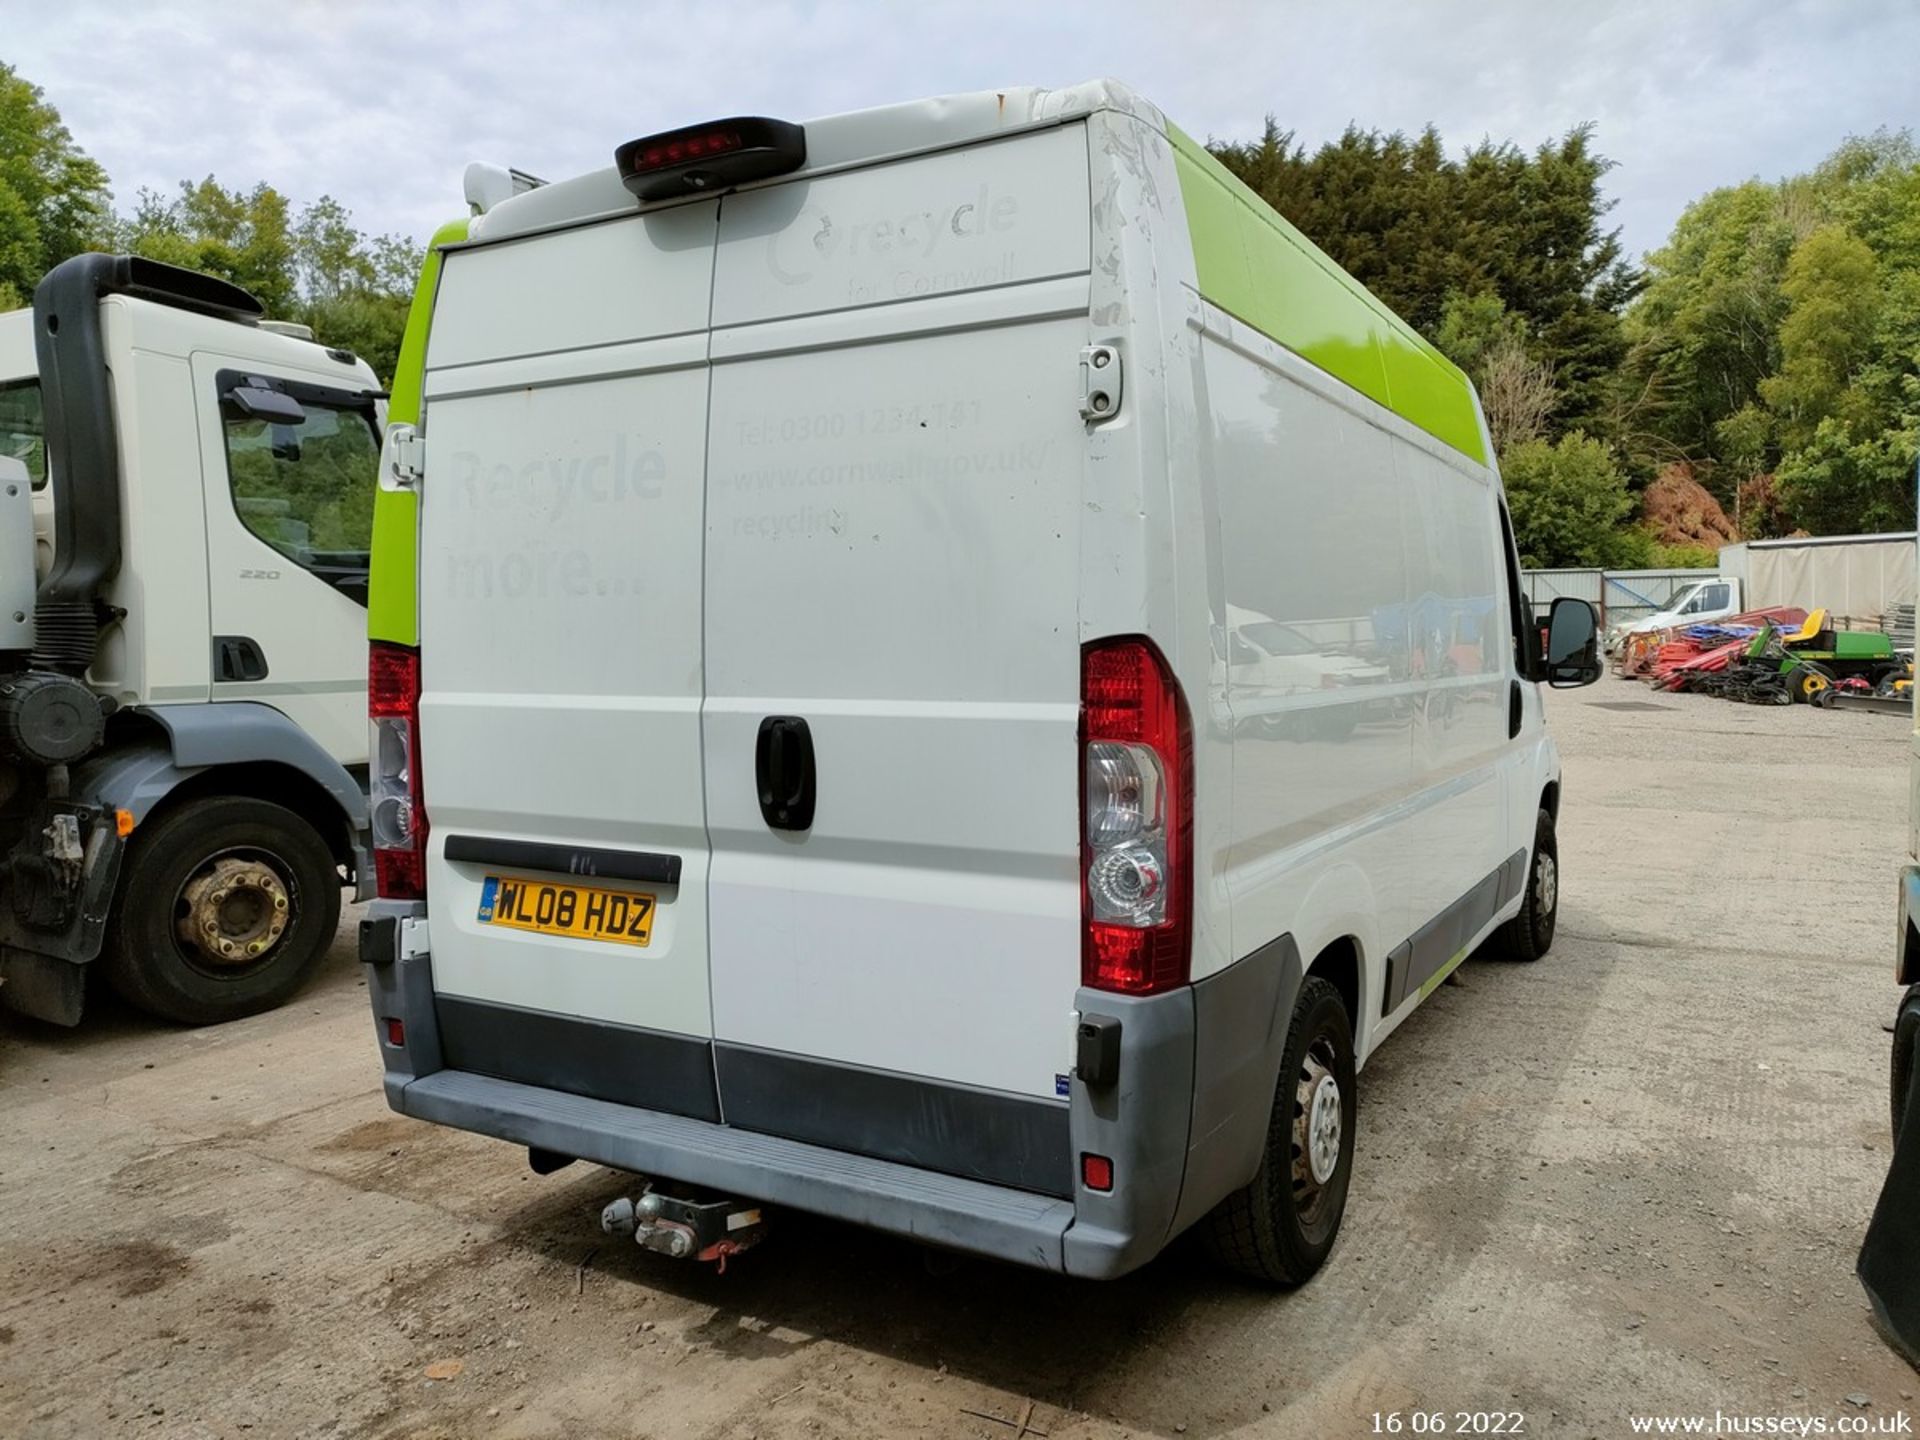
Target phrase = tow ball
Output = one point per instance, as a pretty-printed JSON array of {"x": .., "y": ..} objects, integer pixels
[{"x": 686, "y": 1228}]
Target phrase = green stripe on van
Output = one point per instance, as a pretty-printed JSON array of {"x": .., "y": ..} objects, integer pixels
[
  {"x": 1258, "y": 268},
  {"x": 393, "y": 599}
]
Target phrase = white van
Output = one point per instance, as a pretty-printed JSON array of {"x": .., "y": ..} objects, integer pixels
[
  {"x": 1699, "y": 603},
  {"x": 824, "y": 753}
]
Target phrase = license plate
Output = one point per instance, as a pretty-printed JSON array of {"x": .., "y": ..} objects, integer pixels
[{"x": 551, "y": 907}]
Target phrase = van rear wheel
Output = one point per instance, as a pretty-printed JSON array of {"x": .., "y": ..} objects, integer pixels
[
  {"x": 1282, "y": 1225},
  {"x": 226, "y": 904},
  {"x": 1529, "y": 935}
]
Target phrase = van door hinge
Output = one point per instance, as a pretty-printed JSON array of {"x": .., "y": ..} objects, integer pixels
[
  {"x": 1100, "y": 383},
  {"x": 403, "y": 458}
]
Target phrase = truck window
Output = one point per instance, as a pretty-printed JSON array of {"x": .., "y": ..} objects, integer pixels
[
  {"x": 307, "y": 489},
  {"x": 1712, "y": 597},
  {"x": 23, "y": 432}
]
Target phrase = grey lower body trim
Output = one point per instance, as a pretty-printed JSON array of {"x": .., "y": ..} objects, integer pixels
[
  {"x": 594, "y": 1058},
  {"x": 980, "y": 1134},
  {"x": 1241, "y": 1019},
  {"x": 938, "y": 1209},
  {"x": 1442, "y": 938}
]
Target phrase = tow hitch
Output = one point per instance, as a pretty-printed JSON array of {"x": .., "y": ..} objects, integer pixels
[{"x": 686, "y": 1228}]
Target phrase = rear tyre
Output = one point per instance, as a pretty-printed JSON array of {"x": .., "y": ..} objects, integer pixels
[
  {"x": 226, "y": 904},
  {"x": 1906, "y": 1053},
  {"x": 1529, "y": 935},
  {"x": 1282, "y": 1225}
]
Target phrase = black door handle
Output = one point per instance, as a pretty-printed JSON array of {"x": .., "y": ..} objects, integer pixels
[
  {"x": 238, "y": 657},
  {"x": 783, "y": 772},
  {"x": 1513, "y": 709}
]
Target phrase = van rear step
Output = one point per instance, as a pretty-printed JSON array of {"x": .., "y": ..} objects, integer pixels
[{"x": 684, "y": 1227}]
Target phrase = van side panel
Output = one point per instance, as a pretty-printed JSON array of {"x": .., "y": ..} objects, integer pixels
[
  {"x": 892, "y": 545},
  {"x": 1316, "y": 534}
]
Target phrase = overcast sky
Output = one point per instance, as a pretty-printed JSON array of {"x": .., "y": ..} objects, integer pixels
[{"x": 382, "y": 105}]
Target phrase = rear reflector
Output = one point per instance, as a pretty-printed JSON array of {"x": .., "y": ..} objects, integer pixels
[
  {"x": 1096, "y": 1172},
  {"x": 710, "y": 157},
  {"x": 396, "y": 1033}
]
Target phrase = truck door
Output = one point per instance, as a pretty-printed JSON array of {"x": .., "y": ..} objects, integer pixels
[
  {"x": 560, "y": 603},
  {"x": 290, "y": 468}
]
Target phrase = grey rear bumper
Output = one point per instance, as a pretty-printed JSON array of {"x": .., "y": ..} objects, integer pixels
[
  {"x": 1184, "y": 1124},
  {"x": 939, "y": 1209}
]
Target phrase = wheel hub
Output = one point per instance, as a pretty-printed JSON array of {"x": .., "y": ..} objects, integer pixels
[
  {"x": 1317, "y": 1124},
  {"x": 1546, "y": 885},
  {"x": 234, "y": 911}
]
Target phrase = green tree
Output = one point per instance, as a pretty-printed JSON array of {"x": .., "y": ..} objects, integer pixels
[
  {"x": 53, "y": 198},
  {"x": 1827, "y": 334},
  {"x": 242, "y": 236},
  {"x": 1417, "y": 227},
  {"x": 1570, "y": 504}
]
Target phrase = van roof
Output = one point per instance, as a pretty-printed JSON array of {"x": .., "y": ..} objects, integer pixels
[
  {"x": 856, "y": 137},
  {"x": 1248, "y": 259}
]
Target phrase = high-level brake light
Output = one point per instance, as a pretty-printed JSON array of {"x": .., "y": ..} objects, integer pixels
[
  {"x": 1136, "y": 847},
  {"x": 399, "y": 821},
  {"x": 710, "y": 157}
]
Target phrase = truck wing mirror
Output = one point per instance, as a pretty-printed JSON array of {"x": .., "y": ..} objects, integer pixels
[
  {"x": 257, "y": 402},
  {"x": 1572, "y": 655}
]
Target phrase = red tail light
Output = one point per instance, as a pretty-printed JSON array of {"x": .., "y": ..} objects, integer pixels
[
  {"x": 1136, "y": 841},
  {"x": 399, "y": 818}
]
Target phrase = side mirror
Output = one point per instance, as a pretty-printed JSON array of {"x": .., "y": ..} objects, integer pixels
[
  {"x": 1573, "y": 645},
  {"x": 257, "y": 402}
]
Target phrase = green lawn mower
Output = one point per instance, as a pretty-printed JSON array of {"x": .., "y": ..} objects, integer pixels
[{"x": 1815, "y": 658}]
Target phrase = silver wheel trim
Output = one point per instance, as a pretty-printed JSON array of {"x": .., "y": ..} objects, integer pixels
[
  {"x": 1546, "y": 884},
  {"x": 1323, "y": 1130}
]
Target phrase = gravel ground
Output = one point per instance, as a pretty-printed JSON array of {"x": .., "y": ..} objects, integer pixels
[{"x": 1629, "y": 1179}]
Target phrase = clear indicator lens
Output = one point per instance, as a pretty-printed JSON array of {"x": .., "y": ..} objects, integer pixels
[{"x": 392, "y": 784}]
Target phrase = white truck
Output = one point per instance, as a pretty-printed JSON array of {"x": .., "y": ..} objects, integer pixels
[
  {"x": 942, "y": 666},
  {"x": 1700, "y": 602},
  {"x": 185, "y": 517}
]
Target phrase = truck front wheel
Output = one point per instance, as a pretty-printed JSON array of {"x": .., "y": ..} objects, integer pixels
[{"x": 226, "y": 904}]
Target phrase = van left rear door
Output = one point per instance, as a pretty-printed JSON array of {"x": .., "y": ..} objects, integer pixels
[{"x": 561, "y": 659}]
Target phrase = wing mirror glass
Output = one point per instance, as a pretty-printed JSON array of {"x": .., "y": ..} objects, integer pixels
[{"x": 1572, "y": 645}]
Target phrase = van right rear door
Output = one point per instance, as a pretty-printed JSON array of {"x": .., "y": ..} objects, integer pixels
[{"x": 892, "y": 560}]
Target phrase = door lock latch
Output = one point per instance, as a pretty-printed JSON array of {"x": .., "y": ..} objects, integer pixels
[{"x": 1100, "y": 383}]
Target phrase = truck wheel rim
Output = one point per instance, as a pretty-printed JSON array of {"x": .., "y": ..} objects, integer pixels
[{"x": 233, "y": 911}]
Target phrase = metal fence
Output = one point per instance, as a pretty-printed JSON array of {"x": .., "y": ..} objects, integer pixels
[{"x": 1619, "y": 595}]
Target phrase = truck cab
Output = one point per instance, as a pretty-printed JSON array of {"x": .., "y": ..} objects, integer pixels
[
  {"x": 184, "y": 540},
  {"x": 1699, "y": 603}
]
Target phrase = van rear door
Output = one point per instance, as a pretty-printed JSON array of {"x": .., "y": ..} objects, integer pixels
[
  {"x": 892, "y": 540},
  {"x": 560, "y": 596}
]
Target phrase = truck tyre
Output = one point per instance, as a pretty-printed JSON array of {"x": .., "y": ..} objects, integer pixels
[
  {"x": 1529, "y": 935},
  {"x": 226, "y": 904},
  {"x": 1282, "y": 1225},
  {"x": 1906, "y": 1051}
]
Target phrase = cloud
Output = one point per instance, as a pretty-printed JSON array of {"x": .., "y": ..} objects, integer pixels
[{"x": 383, "y": 105}]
